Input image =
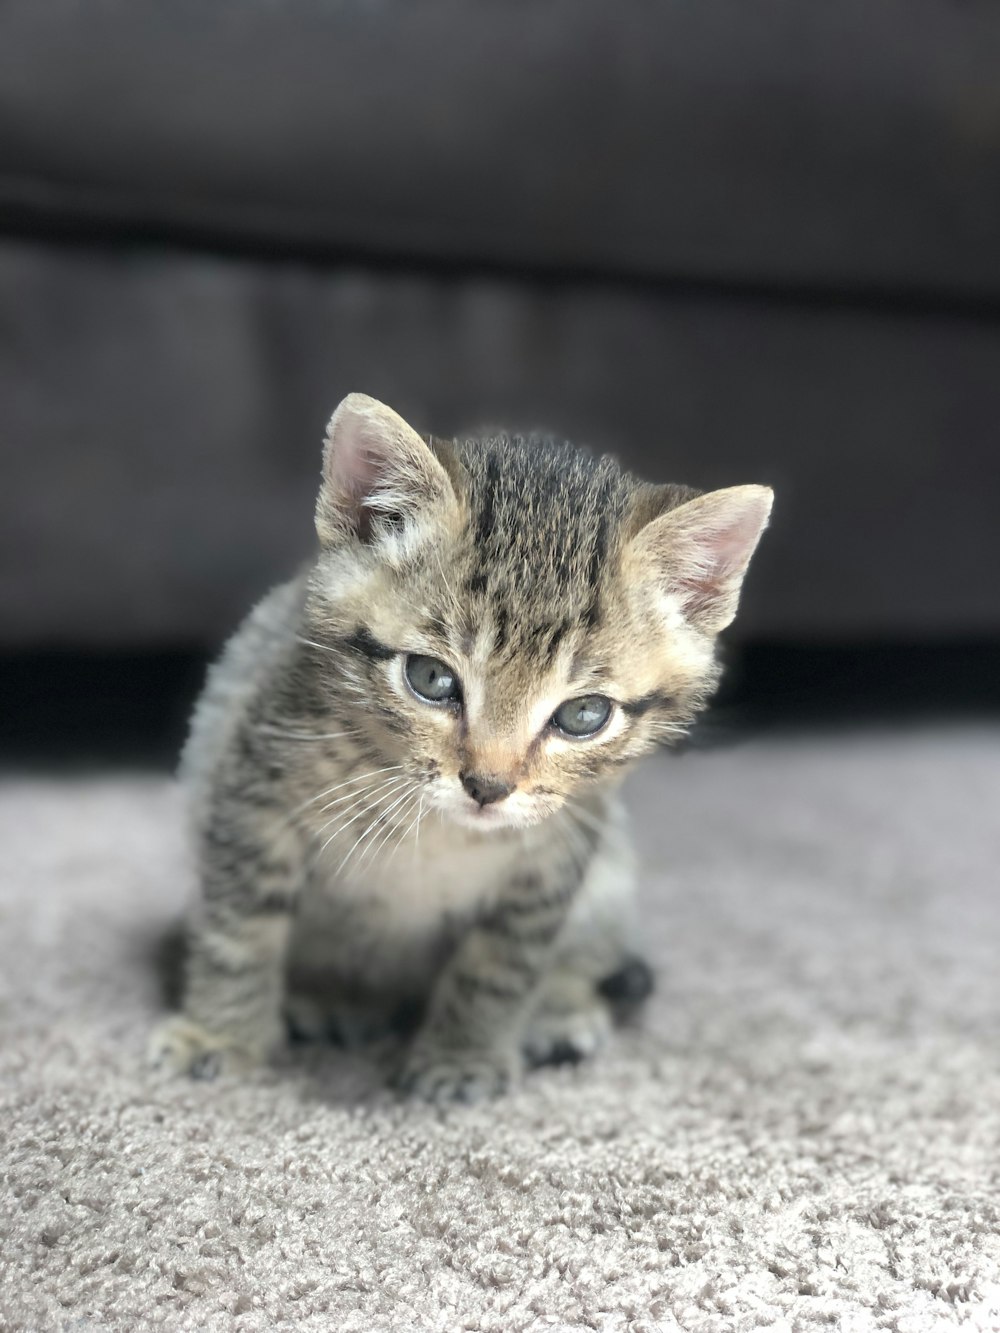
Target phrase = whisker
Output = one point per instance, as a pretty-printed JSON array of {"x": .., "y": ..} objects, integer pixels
[
  {"x": 311, "y": 643},
  {"x": 392, "y": 826},
  {"x": 413, "y": 824},
  {"x": 288, "y": 823},
  {"x": 354, "y": 799},
  {"x": 367, "y": 807},
  {"x": 370, "y": 832},
  {"x": 575, "y": 845},
  {"x": 367, "y": 801},
  {"x": 416, "y": 836},
  {"x": 585, "y": 817},
  {"x": 338, "y": 800},
  {"x": 266, "y": 729},
  {"x": 340, "y": 821},
  {"x": 577, "y": 839},
  {"x": 357, "y": 777}
]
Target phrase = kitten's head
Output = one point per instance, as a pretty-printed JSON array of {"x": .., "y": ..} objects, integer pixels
[{"x": 513, "y": 618}]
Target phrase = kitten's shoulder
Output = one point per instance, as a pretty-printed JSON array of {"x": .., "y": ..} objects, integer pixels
[{"x": 256, "y": 652}]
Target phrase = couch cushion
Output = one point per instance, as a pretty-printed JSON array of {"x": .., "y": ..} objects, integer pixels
[
  {"x": 163, "y": 417},
  {"x": 781, "y": 141}
]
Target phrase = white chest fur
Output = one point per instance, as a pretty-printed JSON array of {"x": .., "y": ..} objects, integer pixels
[
  {"x": 393, "y": 912},
  {"x": 445, "y": 871}
]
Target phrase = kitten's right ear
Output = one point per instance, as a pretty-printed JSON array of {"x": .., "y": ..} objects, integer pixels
[{"x": 381, "y": 483}]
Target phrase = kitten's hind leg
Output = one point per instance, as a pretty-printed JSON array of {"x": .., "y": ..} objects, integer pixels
[
  {"x": 572, "y": 1016},
  {"x": 628, "y": 987},
  {"x": 568, "y": 1022}
]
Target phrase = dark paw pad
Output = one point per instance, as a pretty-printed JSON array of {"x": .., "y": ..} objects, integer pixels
[
  {"x": 562, "y": 1052},
  {"x": 629, "y": 986},
  {"x": 207, "y": 1066}
]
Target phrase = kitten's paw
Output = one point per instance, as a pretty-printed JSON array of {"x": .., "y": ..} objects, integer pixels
[
  {"x": 556, "y": 1037},
  {"x": 179, "y": 1046},
  {"x": 629, "y": 987},
  {"x": 438, "y": 1075}
]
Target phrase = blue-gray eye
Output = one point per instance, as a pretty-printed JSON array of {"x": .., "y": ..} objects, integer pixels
[
  {"x": 582, "y": 717},
  {"x": 431, "y": 680}
]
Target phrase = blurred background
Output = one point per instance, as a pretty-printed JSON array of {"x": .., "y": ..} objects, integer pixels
[{"x": 732, "y": 242}]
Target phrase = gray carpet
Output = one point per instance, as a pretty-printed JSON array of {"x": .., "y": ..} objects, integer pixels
[{"x": 806, "y": 1135}]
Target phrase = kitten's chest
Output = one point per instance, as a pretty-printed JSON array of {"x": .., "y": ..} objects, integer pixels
[
  {"x": 420, "y": 885},
  {"x": 387, "y": 925}
]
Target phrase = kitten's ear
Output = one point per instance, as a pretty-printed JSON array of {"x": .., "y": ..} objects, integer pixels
[
  {"x": 699, "y": 552},
  {"x": 380, "y": 480}
]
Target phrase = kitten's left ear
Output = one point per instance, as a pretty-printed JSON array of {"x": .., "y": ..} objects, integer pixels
[
  {"x": 699, "y": 551},
  {"x": 381, "y": 483}
]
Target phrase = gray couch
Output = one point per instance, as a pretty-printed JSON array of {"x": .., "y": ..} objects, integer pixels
[{"x": 731, "y": 241}]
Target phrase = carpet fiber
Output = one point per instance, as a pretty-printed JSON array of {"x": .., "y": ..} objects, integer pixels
[{"x": 804, "y": 1135}]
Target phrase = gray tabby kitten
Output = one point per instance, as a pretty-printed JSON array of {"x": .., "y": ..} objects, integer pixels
[{"x": 403, "y": 768}]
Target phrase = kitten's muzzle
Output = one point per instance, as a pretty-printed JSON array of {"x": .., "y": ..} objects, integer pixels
[{"x": 485, "y": 789}]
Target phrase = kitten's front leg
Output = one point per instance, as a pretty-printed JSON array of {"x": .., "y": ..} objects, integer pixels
[
  {"x": 468, "y": 1047},
  {"x": 237, "y": 940}
]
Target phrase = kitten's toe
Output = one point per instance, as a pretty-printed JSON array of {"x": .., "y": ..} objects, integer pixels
[
  {"x": 179, "y": 1046},
  {"x": 555, "y": 1037},
  {"x": 456, "y": 1076}
]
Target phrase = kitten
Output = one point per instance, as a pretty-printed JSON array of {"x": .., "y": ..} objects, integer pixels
[{"x": 403, "y": 768}]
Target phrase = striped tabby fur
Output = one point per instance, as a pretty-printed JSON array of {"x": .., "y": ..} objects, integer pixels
[{"x": 349, "y": 881}]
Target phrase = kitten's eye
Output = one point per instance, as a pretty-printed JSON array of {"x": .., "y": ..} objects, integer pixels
[
  {"x": 431, "y": 680},
  {"x": 582, "y": 717}
]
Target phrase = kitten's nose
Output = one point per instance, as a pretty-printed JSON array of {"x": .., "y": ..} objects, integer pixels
[{"x": 485, "y": 789}]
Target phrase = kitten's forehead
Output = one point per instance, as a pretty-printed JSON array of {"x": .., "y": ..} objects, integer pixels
[{"x": 545, "y": 523}]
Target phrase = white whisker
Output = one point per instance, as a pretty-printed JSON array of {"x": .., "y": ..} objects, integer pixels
[
  {"x": 575, "y": 845},
  {"x": 370, "y": 796},
  {"x": 357, "y": 777},
  {"x": 288, "y": 823},
  {"x": 311, "y": 643},
  {"x": 416, "y": 835},
  {"x": 370, "y": 832},
  {"x": 267, "y": 729},
  {"x": 367, "y": 801},
  {"x": 377, "y": 847},
  {"x": 585, "y": 817},
  {"x": 414, "y": 826},
  {"x": 348, "y": 795}
]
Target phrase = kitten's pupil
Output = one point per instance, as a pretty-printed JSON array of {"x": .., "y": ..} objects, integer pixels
[
  {"x": 583, "y": 716},
  {"x": 431, "y": 679}
]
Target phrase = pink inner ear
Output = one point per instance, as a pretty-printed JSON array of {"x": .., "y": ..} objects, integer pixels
[
  {"x": 376, "y": 471},
  {"x": 712, "y": 556},
  {"x": 358, "y": 463},
  {"x": 696, "y": 594},
  {"x": 728, "y": 549},
  {"x": 358, "y": 485},
  {"x": 355, "y": 465}
]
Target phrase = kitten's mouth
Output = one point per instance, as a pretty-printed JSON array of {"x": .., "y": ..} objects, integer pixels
[
  {"x": 494, "y": 818},
  {"x": 484, "y": 816},
  {"x": 520, "y": 810}
]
